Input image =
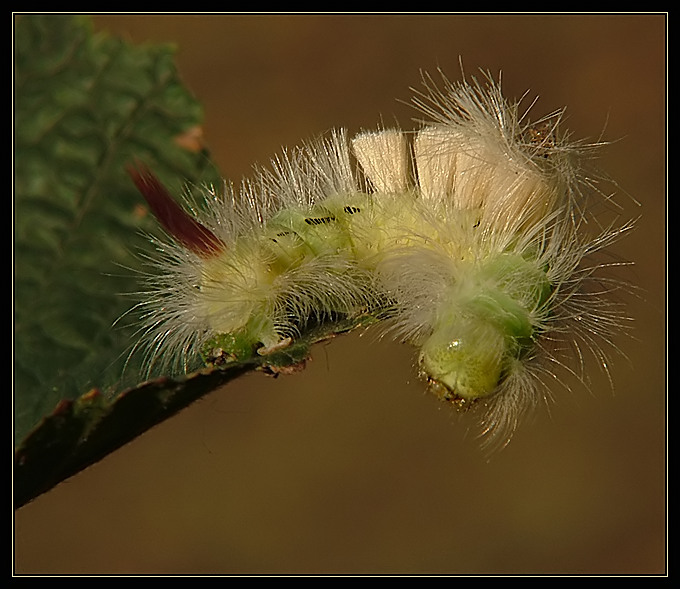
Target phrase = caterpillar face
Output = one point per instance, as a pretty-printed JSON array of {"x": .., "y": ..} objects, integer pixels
[{"x": 466, "y": 236}]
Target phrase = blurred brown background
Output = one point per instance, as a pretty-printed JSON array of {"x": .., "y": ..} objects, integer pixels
[{"x": 349, "y": 467}]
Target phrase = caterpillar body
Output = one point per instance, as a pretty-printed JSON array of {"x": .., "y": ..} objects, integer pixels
[{"x": 469, "y": 237}]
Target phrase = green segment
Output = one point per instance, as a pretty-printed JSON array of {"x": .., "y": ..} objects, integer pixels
[
  {"x": 489, "y": 322},
  {"x": 510, "y": 288},
  {"x": 294, "y": 235},
  {"x": 265, "y": 268}
]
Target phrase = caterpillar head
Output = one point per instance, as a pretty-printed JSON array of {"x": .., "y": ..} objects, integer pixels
[
  {"x": 491, "y": 320},
  {"x": 464, "y": 362}
]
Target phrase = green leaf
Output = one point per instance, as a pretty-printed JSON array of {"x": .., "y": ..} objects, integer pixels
[{"x": 86, "y": 105}]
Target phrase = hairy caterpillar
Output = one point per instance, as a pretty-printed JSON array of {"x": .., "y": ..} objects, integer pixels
[{"x": 469, "y": 237}]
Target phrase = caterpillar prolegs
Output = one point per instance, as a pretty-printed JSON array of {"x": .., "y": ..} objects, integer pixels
[{"x": 469, "y": 237}]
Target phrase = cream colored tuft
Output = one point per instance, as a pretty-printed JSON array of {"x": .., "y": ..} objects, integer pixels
[{"x": 384, "y": 157}]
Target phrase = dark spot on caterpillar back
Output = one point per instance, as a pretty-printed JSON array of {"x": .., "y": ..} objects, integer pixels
[{"x": 319, "y": 220}]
